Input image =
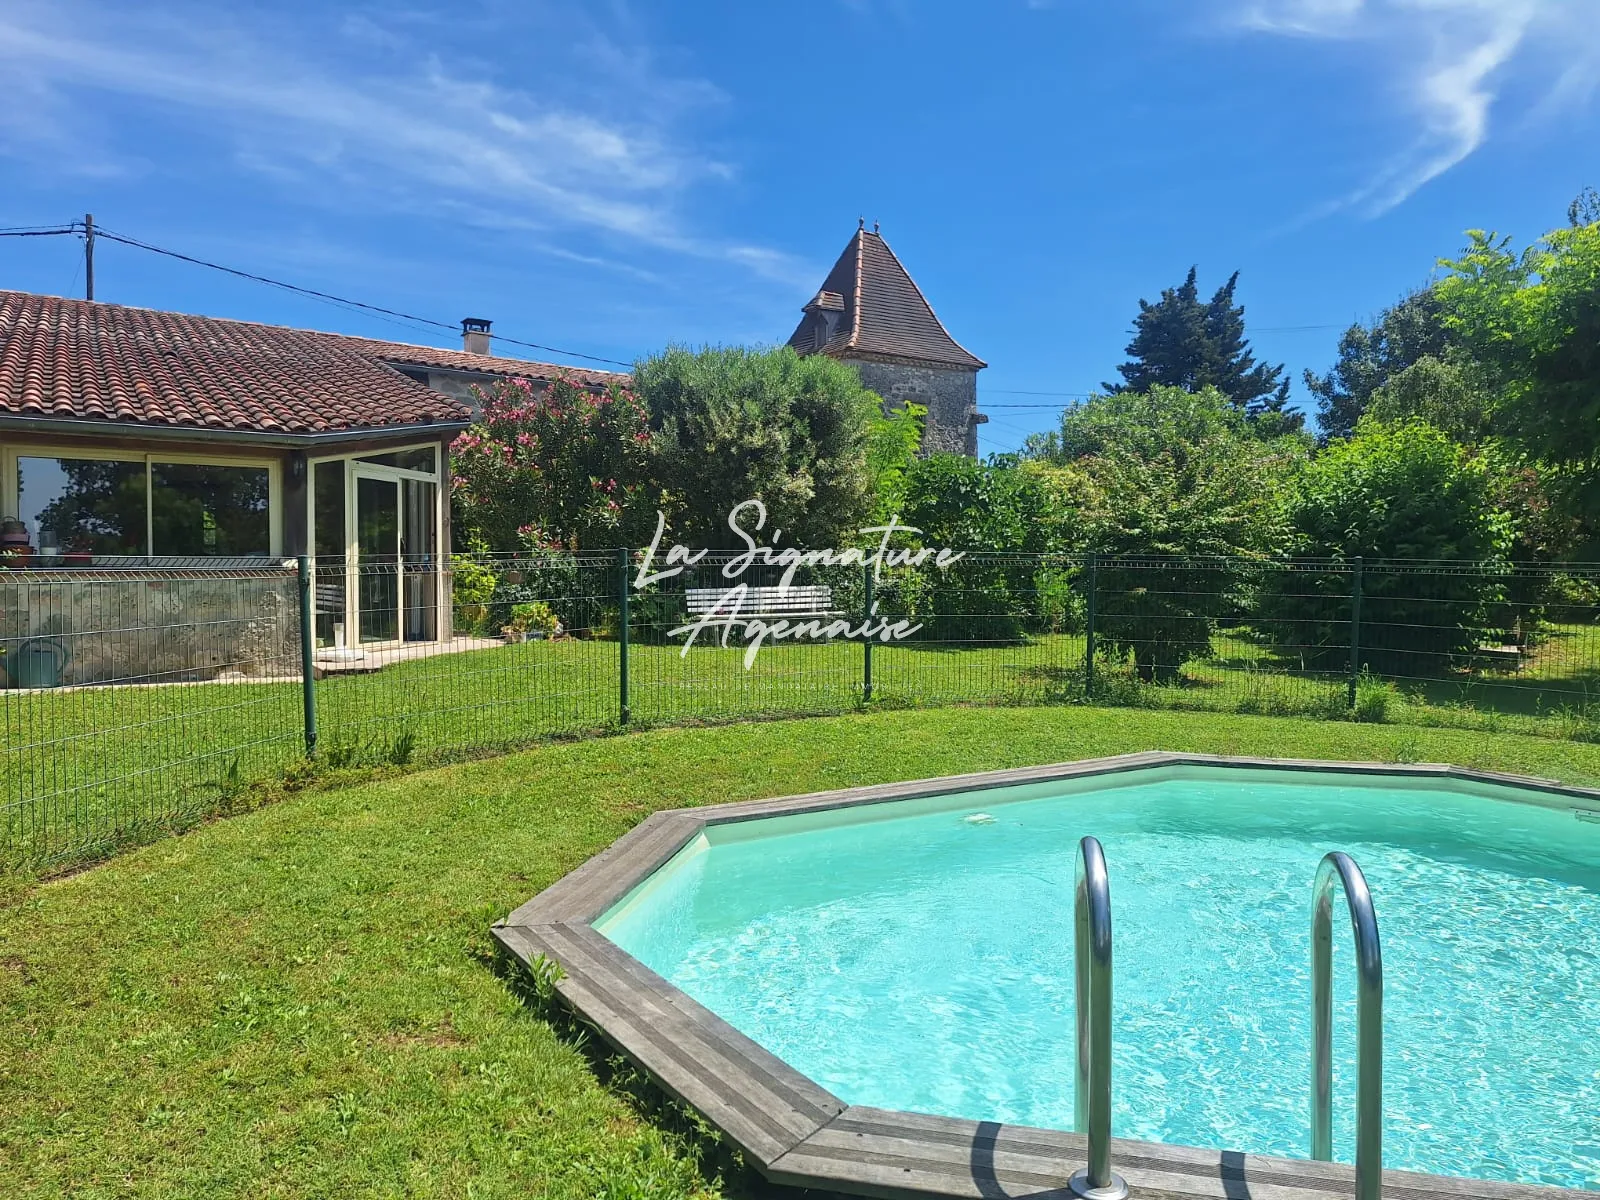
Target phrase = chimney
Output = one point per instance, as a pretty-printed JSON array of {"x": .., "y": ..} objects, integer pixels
[{"x": 475, "y": 335}]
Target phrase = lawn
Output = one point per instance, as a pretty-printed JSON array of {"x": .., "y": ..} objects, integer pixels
[
  {"x": 83, "y": 771},
  {"x": 299, "y": 1001}
]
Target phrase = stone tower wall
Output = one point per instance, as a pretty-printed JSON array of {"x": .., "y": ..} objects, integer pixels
[{"x": 949, "y": 394}]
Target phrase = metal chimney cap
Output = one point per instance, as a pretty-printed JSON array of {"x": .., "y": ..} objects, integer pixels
[{"x": 475, "y": 325}]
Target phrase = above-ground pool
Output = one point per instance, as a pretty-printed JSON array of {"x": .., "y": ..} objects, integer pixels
[{"x": 917, "y": 956}]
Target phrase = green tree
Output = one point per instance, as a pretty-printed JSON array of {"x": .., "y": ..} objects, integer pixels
[
  {"x": 1533, "y": 319},
  {"x": 562, "y": 467},
  {"x": 992, "y": 513},
  {"x": 1371, "y": 355},
  {"x": 1180, "y": 524},
  {"x": 894, "y": 439},
  {"x": 1181, "y": 342},
  {"x": 733, "y": 424},
  {"x": 1389, "y": 494}
]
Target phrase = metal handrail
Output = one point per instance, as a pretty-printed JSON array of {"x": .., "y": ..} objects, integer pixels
[
  {"x": 1369, "y": 1021},
  {"x": 1092, "y": 960}
]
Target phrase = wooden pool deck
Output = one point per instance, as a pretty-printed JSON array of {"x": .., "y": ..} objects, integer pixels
[{"x": 797, "y": 1133}]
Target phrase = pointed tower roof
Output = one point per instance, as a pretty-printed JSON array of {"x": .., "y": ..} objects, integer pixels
[{"x": 882, "y": 312}]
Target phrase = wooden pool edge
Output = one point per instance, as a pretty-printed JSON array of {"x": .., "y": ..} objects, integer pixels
[{"x": 797, "y": 1133}]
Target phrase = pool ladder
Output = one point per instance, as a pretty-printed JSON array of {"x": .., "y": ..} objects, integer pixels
[{"x": 1092, "y": 977}]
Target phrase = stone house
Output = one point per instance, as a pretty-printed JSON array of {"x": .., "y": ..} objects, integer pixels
[
  {"x": 154, "y": 465},
  {"x": 870, "y": 314}
]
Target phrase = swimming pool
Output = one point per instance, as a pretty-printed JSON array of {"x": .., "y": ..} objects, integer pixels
[{"x": 917, "y": 956}]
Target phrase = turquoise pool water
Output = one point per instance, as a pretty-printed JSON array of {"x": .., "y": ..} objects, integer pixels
[{"x": 919, "y": 957}]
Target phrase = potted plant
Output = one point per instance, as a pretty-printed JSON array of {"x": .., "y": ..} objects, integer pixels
[
  {"x": 531, "y": 621},
  {"x": 14, "y": 547}
]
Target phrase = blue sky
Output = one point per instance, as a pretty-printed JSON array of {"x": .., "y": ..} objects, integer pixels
[{"x": 607, "y": 177}]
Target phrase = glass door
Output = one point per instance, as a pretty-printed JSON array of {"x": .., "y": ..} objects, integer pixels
[
  {"x": 378, "y": 557},
  {"x": 419, "y": 557}
]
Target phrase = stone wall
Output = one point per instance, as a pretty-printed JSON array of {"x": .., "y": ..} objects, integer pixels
[
  {"x": 951, "y": 397},
  {"x": 154, "y": 626}
]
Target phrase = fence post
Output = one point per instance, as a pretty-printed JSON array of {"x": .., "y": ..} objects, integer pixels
[
  {"x": 1355, "y": 630},
  {"x": 624, "y": 710},
  {"x": 308, "y": 660},
  {"x": 1093, "y": 565},
  {"x": 866, "y": 643}
]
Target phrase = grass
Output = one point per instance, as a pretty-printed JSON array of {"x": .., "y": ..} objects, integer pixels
[
  {"x": 300, "y": 1001},
  {"x": 84, "y": 772}
]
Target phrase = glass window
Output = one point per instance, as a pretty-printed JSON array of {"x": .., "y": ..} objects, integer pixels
[
  {"x": 421, "y": 459},
  {"x": 86, "y": 505},
  {"x": 327, "y": 516},
  {"x": 209, "y": 511}
]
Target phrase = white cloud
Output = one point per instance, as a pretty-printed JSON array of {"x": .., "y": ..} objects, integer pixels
[
  {"x": 588, "y": 134},
  {"x": 1445, "y": 65}
]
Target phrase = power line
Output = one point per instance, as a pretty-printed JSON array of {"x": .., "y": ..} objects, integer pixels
[{"x": 325, "y": 297}]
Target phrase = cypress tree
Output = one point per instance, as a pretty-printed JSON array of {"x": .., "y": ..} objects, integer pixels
[{"x": 1181, "y": 342}]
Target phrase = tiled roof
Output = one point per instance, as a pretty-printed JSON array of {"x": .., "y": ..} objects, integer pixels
[
  {"x": 81, "y": 360},
  {"x": 487, "y": 364},
  {"x": 885, "y": 313}
]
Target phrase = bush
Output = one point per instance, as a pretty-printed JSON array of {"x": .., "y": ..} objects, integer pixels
[
  {"x": 562, "y": 467},
  {"x": 1391, "y": 492},
  {"x": 992, "y": 513},
  {"x": 1182, "y": 507},
  {"x": 732, "y": 425}
]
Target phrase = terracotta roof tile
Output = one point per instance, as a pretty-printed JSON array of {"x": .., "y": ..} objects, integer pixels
[
  {"x": 885, "y": 313},
  {"x": 77, "y": 359}
]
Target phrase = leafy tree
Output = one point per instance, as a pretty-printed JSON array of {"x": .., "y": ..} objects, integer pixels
[
  {"x": 1390, "y": 492},
  {"x": 1371, "y": 355},
  {"x": 1533, "y": 319},
  {"x": 1141, "y": 423},
  {"x": 991, "y": 512},
  {"x": 1181, "y": 342},
  {"x": 558, "y": 468},
  {"x": 733, "y": 424},
  {"x": 1584, "y": 209},
  {"x": 1451, "y": 393},
  {"x": 894, "y": 438},
  {"x": 1180, "y": 524}
]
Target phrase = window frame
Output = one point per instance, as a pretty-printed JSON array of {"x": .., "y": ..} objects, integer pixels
[
  {"x": 10, "y": 500},
  {"x": 354, "y": 467}
]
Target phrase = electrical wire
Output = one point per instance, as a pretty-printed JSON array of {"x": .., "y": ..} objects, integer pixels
[{"x": 77, "y": 227}]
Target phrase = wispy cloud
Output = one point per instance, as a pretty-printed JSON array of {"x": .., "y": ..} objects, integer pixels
[
  {"x": 1445, "y": 64},
  {"x": 591, "y": 136}
]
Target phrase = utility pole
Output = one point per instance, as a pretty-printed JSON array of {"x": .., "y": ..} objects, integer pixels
[{"x": 88, "y": 254}]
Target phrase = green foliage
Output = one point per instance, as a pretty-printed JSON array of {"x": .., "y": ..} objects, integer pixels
[
  {"x": 559, "y": 468},
  {"x": 533, "y": 616},
  {"x": 1391, "y": 492},
  {"x": 734, "y": 424},
  {"x": 1450, "y": 393},
  {"x": 1173, "y": 473},
  {"x": 1533, "y": 319},
  {"x": 992, "y": 513},
  {"x": 1376, "y": 699},
  {"x": 1371, "y": 355},
  {"x": 472, "y": 585},
  {"x": 1181, "y": 342},
  {"x": 894, "y": 439}
]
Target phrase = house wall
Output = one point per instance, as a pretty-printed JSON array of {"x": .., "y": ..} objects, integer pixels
[
  {"x": 146, "y": 624},
  {"x": 950, "y": 396}
]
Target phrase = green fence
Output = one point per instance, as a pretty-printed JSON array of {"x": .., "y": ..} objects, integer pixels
[{"x": 140, "y": 697}]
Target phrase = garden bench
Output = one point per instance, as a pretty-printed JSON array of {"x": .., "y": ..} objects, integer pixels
[{"x": 764, "y": 603}]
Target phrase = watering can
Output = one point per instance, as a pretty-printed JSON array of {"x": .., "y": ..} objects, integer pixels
[{"x": 36, "y": 663}]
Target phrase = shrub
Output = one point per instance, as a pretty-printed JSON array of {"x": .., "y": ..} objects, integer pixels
[
  {"x": 562, "y": 467},
  {"x": 1391, "y": 492},
  {"x": 732, "y": 425},
  {"x": 991, "y": 512}
]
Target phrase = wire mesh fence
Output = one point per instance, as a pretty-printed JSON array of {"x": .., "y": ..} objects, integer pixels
[{"x": 137, "y": 697}]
